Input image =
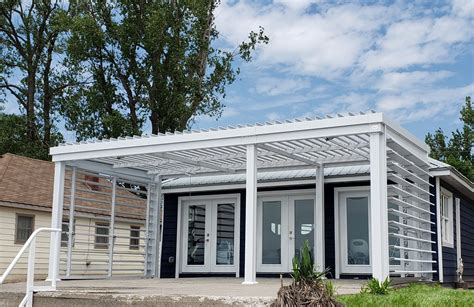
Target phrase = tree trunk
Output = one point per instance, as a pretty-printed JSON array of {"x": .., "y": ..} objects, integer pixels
[
  {"x": 47, "y": 96},
  {"x": 30, "y": 106}
]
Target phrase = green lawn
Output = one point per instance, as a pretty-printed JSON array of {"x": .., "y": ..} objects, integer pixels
[{"x": 413, "y": 295}]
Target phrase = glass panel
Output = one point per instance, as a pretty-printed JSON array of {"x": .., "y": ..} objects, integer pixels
[
  {"x": 225, "y": 234},
  {"x": 196, "y": 234},
  {"x": 393, "y": 252},
  {"x": 304, "y": 224},
  {"x": 271, "y": 232},
  {"x": 358, "y": 230}
]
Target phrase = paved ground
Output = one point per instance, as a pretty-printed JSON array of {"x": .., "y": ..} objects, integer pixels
[{"x": 160, "y": 292}]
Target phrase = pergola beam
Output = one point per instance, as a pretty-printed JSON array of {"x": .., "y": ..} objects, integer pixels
[{"x": 287, "y": 154}]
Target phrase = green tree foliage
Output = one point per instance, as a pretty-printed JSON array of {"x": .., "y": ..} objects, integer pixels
[
  {"x": 29, "y": 40},
  {"x": 153, "y": 61},
  {"x": 457, "y": 150},
  {"x": 13, "y": 138}
]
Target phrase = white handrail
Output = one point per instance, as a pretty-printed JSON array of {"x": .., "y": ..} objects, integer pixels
[{"x": 30, "y": 277}]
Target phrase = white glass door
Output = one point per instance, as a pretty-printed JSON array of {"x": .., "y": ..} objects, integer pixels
[
  {"x": 354, "y": 225},
  {"x": 196, "y": 236},
  {"x": 284, "y": 223},
  {"x": 301, "y": 220},
  {"x": 210, "y": 235},
  {"x": 272, "y": 231},
  {"x": 223, "y": 236}
]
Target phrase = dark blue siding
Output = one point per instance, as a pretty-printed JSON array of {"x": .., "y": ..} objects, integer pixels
[{"x": 467, "y": 238}]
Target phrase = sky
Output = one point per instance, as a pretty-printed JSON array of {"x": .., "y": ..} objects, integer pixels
[{"x": 412, "y": 60}]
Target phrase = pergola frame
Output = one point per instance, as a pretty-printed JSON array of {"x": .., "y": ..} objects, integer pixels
[{"x": 355, "y": 139}]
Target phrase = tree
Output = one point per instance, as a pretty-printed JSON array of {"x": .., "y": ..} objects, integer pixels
[
  {"x": 29, "y": 36},
  {"x": 458, "y": 150},
  {"x": 149, "y": 60}
]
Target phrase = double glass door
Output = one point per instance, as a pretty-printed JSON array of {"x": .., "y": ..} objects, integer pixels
[
  {"x": 209, "y": 237},
  {"x": 284, "y": 224}
]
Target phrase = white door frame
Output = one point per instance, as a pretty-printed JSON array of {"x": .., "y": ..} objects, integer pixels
[
  {"x": 287, "y": 199},
  {"x": 181, "y": 252},
  {"x": 341, "y": 266}
]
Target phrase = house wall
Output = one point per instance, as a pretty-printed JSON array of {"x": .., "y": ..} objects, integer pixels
[
  {"x": 467, "y": 239},
  {"x": 87, "y": 260},
  {"x": 170, "y": 216}
]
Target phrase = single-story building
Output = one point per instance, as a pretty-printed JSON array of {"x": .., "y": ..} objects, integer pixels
[
  {"x": 241, "y": 200},
  {"x": 26, "y": 189}
]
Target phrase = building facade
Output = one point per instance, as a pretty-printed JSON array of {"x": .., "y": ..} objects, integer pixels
[{"x": 241, "y": 200}]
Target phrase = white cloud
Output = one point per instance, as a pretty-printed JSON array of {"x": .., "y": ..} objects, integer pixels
[
  {"x": 400, "y": 57},
  {"x": 401, "y": 81},
  {"x": 278, "y": 86},
  {"x": 273, "y": 116},
  {"x": 424, "y": 104}
]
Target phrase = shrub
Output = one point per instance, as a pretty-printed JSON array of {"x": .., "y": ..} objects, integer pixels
[
  {"x": 308, "y": 288},
  {"x": 374, "y": 286}
]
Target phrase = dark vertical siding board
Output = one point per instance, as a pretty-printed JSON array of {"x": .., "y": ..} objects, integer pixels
[{"x": 467, "y": 239}]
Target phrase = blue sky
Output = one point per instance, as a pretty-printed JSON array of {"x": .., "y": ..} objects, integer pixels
[{"x": 415, "y": 62}]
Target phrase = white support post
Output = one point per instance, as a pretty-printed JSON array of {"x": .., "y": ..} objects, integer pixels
[
  {"x": 250, "y": 274},
  {"x": 378, "y": 207},
  {"x": 56, "y": 221},
  {"x": 319, "y": 220},
  {"x": 438, "y": 230},
  {"x": 112, "y": 227},
  {"x": 70, "y": 238},
  {"x": 157, "y": 231}
]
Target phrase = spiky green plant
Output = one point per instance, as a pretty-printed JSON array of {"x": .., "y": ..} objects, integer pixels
[
  {"x": 303, "y": 266},
  {"x": 374, "y": 286}
]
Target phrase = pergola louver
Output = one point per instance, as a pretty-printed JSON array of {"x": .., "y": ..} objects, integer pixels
[{"x": 366, "y": 138}]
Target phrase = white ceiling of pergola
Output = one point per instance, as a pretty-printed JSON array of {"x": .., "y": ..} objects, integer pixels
[{"x": 281, "y": 145}]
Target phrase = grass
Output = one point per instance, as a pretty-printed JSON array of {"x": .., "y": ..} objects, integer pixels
[{"x": 413, "y": 295}]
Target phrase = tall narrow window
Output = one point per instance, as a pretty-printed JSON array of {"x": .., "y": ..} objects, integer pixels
[
  {"x": 134, "y": 237},
  {"x": 447, "y": 230},
  {"x": 101, "y": 235},
  {"x": 24, "y": 227}
]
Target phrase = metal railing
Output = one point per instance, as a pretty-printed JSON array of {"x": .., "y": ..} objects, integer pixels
[{"x": 30, "y": 277}]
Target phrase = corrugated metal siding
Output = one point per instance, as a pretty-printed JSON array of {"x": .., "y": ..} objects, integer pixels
[{"x": 264, "y": 176}]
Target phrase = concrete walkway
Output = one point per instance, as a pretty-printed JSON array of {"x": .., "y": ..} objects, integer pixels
[{"x": 159, "y": 292}]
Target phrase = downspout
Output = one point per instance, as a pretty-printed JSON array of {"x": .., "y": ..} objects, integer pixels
[{"x": 438, "y": 230}]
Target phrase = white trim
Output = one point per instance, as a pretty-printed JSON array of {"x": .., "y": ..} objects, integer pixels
[
  {"x": 319, "y": 227},
  {"x": 438, "y": 230},
  {"x": 458, "y": 233},
  {"x": 449, "y": 241},
  {"x": 250, "y": 270},
  {"x": 337, "y": 225},
  {"x": 225, "y": 137},
  {"x": 221, "y": 187},
  {"x": 379, "y": 212},
  {"x": 56, "y": 221}
]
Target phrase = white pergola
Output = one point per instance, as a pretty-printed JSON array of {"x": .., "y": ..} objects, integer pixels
[{"x": 353, "y": 139}]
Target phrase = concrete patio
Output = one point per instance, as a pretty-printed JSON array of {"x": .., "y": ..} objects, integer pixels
[{"x": 159, "y": 292}]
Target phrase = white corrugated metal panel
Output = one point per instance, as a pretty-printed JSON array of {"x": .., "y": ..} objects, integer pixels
[{"x": 265, "y": 176}]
